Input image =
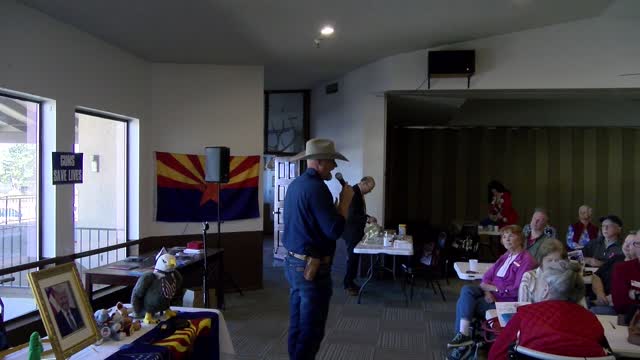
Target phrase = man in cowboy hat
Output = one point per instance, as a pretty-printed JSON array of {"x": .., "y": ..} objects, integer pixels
[{"x": 312, "y": 224}]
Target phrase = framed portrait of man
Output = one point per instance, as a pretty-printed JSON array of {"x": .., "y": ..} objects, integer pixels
[{"x": 64, "y": 308}]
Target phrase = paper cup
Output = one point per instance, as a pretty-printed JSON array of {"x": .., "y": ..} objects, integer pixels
[{"x": 473, "y": 265}]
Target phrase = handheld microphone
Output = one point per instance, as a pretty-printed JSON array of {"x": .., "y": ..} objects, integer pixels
[{"x": 340, "y": 179}]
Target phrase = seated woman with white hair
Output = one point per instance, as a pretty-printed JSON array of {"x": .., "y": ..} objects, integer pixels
[{"x": 558, "y": 325}]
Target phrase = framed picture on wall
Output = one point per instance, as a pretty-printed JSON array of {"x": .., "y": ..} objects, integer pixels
[
  {"x": 286, "y": 125},
  {"x": 64, "y": 309}
]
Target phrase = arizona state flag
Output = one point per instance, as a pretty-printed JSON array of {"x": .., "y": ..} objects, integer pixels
[{"x": 184, "y": 196}]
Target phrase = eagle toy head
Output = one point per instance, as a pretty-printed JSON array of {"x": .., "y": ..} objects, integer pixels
[{"x": 165, "y": 263}]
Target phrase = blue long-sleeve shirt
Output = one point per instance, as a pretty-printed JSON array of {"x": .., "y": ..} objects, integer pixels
[{"x": 311, "y": 221}]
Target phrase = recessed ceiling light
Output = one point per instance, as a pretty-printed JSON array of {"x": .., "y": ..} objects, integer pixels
[{"x": 326, "y": 31}]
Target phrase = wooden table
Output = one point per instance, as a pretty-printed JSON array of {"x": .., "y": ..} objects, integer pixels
[
  {"x": 617, "y": 337},
  {"x": 191, "y": 272},
  {"x": 375, "y": 251}
]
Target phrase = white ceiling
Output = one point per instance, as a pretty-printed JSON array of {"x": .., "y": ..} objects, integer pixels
[{"x": 279, "y": 33}]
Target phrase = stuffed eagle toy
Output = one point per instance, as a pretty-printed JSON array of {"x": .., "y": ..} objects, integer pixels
[{"x": 155, "y": 290}]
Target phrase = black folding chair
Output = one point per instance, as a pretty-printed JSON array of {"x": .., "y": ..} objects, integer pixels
[{"x": 426, "y": 263}]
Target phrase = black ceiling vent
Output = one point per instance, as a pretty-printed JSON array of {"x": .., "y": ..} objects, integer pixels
[
  {"x": 331, "y": 88},
  {"x": 452, "y": 63}
]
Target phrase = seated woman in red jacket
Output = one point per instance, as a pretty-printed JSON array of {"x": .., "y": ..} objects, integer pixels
[
  {"x": 558, "y": 325},
  {"x": 501, "y": 211},
  {"x": 625, "y": 281}
]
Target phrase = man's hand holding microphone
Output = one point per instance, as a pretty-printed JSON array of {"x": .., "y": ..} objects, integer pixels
[{"x": 346, "y": 195}]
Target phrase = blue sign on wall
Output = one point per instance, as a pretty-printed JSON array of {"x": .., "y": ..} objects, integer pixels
[{"x": 67, "y": 168}]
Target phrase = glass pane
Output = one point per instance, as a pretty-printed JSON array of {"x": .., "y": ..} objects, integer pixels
[
  {"x": 100, "y": 201},
  {"x": 19, "y": 174},
  {"x": 285, "y": 122}
]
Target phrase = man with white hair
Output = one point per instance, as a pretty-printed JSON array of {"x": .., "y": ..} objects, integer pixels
[
  {"x": 598, "y": 251},
  {"x": 582, "y": 232},
  {"x": 354, "y": 231}
]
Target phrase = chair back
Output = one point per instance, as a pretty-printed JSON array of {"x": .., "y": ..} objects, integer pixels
[{"x": 527, "y": 353}]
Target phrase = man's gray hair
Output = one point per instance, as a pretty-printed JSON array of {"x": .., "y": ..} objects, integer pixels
[
  {"x": 587, "y": 207},
  {"x": 565, "y": 281},
  {"x": 368, "y": 180}
]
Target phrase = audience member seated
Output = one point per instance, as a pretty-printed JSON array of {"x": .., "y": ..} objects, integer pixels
[
  {"x": 582, "y": 232},
  {"x": 601, "y": 279},
  {"x": 501, "y": 211},
  {"x": 533, "y": 286},
  {"x": 598, "y": 251},
  {"x": 537, "y": 232},
  {"x": 557, "y": 325},
  {"x": 625, "y": 282},
  {"x": 499, "y": 283}
]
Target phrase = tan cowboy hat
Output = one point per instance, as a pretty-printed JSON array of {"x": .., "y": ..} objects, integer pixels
[{"x": 319, "y": 149}]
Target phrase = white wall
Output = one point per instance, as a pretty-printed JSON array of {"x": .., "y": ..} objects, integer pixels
[
  {"x": 43, "y": 57},
  {"x": 194, "y": 106},
  {"x": 583, "y": 54},
  {"x": 102, "y": 193}
]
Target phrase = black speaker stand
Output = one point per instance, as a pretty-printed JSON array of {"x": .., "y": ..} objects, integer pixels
[
  {"x": 205, "y": 270},
  {"x": 226, "y": 274}
]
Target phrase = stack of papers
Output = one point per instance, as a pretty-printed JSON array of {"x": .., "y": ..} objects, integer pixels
[{"x": 506, "y": 310}]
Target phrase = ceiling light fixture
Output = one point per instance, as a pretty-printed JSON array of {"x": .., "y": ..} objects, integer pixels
[{"x": 327, "y": 31}]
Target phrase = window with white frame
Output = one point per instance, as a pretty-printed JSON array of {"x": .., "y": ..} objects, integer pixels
[{"x": 19, "y": 199}]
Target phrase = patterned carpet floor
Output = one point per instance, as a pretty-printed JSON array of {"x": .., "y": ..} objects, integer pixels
[{"x": 382, "y": 327}]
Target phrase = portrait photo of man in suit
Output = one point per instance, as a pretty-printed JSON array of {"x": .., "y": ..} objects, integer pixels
[{"x": 68, "y": 317}]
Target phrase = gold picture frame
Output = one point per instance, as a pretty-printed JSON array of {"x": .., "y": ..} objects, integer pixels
[{"x": 64, "y": 308}]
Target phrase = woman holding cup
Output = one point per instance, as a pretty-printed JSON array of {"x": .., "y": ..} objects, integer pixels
[{"x": 499, "y": 283}]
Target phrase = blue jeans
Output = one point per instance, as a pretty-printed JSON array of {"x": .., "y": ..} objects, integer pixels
[
  {"x": 471, "y": 304},
  {"x": 308, "y": 308}
]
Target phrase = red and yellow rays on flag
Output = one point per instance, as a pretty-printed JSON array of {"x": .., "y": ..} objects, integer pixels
[
  {"x": 182, "y": 341},
  {"x": 182, "y": 171}
]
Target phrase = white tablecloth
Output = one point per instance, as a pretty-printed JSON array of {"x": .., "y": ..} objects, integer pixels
[
  {"x": 374, "y": 249},
  {"x": 461, "y": 269},
  {"x": 617, "y": 337},
  {"x": 109, "y": 347}
]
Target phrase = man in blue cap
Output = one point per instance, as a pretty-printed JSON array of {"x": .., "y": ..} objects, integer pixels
[{"x": 312, "y": 224}]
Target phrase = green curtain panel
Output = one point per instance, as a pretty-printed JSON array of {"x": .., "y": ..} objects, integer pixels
[{"x": 440, "y": 175}]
